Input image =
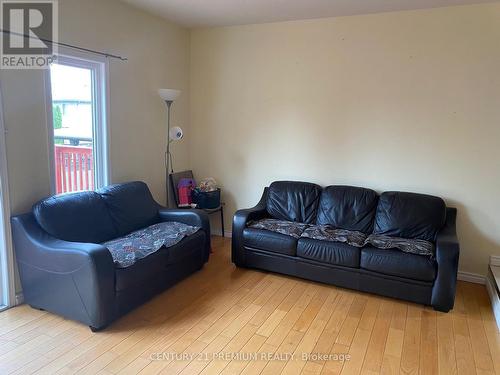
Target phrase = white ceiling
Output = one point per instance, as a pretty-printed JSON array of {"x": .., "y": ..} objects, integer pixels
[{"x": 200, "y": 13}]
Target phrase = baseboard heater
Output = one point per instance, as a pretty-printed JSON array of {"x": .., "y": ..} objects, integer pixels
[{"x": 493, "y": 286}]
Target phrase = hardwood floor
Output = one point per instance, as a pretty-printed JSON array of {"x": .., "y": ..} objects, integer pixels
[{"x": 223, "y": 312}]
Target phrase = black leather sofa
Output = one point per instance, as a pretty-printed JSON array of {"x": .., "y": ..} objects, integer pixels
[
  {"x": 388, "y": 272},
  {"x": 64, "y": 268}
]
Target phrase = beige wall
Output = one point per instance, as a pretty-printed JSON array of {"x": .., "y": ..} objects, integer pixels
[
  {"x": 158, "y": 54},
  {"x": 404, "y": 100},
  {"x": 394, "y": 101}
]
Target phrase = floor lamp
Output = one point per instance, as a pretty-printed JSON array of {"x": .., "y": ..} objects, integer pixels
[{"x": 168, "y": 95}]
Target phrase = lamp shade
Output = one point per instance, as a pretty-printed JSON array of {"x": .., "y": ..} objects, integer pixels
[
  {"x": 169, "y": 95},
  {"x": 176, "y": 133}
]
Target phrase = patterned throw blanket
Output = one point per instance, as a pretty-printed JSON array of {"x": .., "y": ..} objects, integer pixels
[
  {"x": 353, "y": 238},
  {"x": 414, "y": 246},
  {"x": 329, "y": 233},
  {"x": 139, "y": 244},
  {"x": 288, "y": 228}
]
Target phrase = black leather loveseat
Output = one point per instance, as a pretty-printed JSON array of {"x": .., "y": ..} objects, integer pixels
[
  {"x": 429, "y": 280},
  {"x": 65, "y": 269}
]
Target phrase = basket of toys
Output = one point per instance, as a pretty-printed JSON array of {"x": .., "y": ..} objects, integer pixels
[{"x": 206, "y": 195}]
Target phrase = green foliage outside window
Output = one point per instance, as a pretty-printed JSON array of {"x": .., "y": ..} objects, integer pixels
[
  {"x": 57, "y": 116},
  {"x": 57, "y": 119}
]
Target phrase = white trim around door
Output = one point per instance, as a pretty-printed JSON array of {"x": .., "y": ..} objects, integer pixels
[{"x": 7, "y": 275}]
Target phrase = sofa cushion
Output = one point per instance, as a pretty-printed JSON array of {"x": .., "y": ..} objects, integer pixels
[
  {"x": 408, "y": 245},
  {"x": 410, "y": 215},
  {"x": 293, "y": 201},
  {"x": 289, "y": 228},
  {"x": 270, "y": 241},
  {"x": 130, "y": 205},
  {"x": 398, "y": 263},
  {"x": 189, "y": 245},
  {"x": 141, "y": 243},
  {"x": 348, "y": 207},
  {"x": 150, "y": 267},
  {"x": 337, "y": 253},
  {"x": 141, "y": 271},
  {"x": 76, "y": 217}
]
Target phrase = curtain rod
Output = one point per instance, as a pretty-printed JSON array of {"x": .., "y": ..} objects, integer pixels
[{"x": 67, "y": 45}]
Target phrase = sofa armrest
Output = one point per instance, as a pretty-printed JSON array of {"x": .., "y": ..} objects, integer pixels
[
  {"x": 447, "y": 255},
  {"x": 76, "y": 280},
  {"x": 194, "y": 217},
  {"x": 240, "y": 220}
]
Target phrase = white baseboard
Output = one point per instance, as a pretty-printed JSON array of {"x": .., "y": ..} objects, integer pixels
[
  {"x": 495, "y": 260},
  {"x": 471, "y": 277}
]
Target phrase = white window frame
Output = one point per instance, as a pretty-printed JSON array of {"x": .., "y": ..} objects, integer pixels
[
  {"x": 100, "y": 83},
  {"x": 7, "y": 280}
]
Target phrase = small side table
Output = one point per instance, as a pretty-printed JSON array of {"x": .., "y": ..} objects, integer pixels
[
  {"x": 174, "y": 182},
  {"x": 220, "y": 209}
]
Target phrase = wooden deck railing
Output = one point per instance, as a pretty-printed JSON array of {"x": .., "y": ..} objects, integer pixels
[{"x": 74, "y": 168}]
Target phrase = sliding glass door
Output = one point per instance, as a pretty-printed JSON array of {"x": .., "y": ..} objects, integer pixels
[
  {"x": 7, "y": 297},
  {"x": 4, "y": 269}
]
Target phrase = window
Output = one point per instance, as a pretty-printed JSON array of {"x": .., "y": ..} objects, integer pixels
[{"x": 79, "y": 132}]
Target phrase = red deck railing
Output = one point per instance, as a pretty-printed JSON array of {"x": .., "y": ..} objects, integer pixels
[{"x": 74, "y": 168}]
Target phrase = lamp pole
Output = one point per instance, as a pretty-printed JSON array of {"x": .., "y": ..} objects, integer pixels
[
  {"x": 168, "y": 95},
  {"x": 169, "y": 104}
]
